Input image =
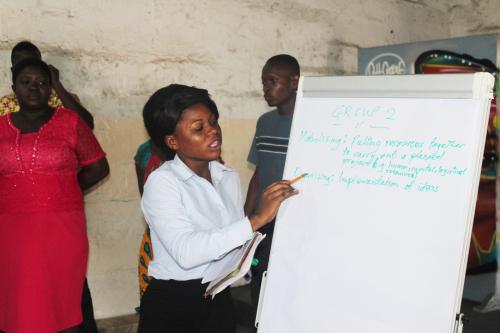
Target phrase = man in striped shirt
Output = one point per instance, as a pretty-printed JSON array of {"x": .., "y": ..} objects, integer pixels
[{"x": 280, "y": 78}]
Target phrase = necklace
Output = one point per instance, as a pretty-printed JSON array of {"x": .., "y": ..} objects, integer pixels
[
  {"x": 34, "y": 149},
  {"x": 33, "y": 153}
]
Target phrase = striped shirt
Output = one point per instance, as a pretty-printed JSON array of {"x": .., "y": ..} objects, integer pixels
[{"x": 269, "y": 146}]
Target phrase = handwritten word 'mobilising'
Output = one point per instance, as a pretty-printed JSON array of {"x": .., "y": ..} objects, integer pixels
[{"x": 312, "y": 137}]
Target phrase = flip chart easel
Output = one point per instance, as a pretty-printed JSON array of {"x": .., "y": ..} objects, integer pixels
[{"x": 377, "y": 239}]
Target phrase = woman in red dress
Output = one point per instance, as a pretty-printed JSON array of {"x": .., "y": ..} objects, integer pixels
[{"x": 48, "y": 157}]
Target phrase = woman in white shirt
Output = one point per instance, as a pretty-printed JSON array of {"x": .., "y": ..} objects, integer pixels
[{"x": 194, "y": 208}]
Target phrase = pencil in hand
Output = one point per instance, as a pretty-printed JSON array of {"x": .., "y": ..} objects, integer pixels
[{"x": 295, "y": 179}]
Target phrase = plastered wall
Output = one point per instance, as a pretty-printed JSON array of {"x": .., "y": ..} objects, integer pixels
[{"x": 114, "y": 54}]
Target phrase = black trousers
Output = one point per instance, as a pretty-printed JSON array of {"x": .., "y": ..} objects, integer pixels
[
  {"x": 88, "y": 325},
  {"x": 179, "y": 307}
]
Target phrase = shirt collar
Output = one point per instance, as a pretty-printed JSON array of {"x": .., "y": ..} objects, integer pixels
[{"x": 184, "y": 173}]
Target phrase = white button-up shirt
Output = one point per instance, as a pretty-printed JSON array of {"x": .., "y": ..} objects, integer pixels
[{"x": 192, "y": 222}]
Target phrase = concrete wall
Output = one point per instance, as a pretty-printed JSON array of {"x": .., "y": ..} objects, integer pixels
[{"x": 114, "y": 54}]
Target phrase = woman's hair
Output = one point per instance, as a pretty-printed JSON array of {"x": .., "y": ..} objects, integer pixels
[
  {"x": 164, "y": 109},
  {"x": 30, "y": 62}
]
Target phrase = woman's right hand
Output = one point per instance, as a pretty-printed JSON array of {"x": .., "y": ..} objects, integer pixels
[{"x": 270, "y": 201}]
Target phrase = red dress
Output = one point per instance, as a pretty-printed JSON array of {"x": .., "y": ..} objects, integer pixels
[{"x": 43, "y": 237}]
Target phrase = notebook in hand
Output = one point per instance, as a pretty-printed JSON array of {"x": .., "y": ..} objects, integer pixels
[{"x": 230, "y": 268}]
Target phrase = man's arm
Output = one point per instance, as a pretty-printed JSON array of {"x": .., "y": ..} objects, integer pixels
[
  {"x": 252, "y": 194},
  {"x": 68, "y": 100},
  {"x": 91, "y": 174}
]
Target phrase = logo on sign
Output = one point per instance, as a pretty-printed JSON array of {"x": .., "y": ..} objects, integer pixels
[{"x": 386, "y": 64}]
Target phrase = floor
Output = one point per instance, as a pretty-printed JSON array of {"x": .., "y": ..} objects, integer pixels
[{"x": 475, "y": 322}]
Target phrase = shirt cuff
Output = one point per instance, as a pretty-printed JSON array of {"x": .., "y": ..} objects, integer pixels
[{"x": 241, "y": 230}]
